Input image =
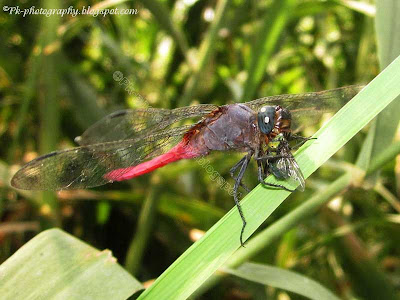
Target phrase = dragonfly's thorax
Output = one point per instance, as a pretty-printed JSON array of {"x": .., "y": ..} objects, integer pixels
[{"x": 230, "y": 127}]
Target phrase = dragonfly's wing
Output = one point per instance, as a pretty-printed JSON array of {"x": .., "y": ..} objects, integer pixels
[
  {"x": 85, "y": 166},
  {"x": 308, "y": 108},
  {"x": 290, "y": 170},
  {"x": 132, "y": 123}
]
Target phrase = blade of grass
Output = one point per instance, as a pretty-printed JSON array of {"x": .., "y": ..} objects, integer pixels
[
  {"x": 384, "y": 127},
  {"x": 277, "y": 229},
  {"x": 74, "y": 26},
  {"x": 265, "y": 238},
  {"x": 364, "y": 272},
  {"x": 267, "y": 38},
  {"x": 283, "y": 279},
  {"x": 387, "y": 27},
  {"x": 310, "y": 8},
  {"x": 83, "y": 98},
  {"x": 145, "y": 224},
  {"x": 381, "y": 133},
  {"x": 202, "y": 259},
  {"x": 34, "y": 64},
  {"x": 207, "y": 48},
  {"x": 48, "y": 101},
  {"x": 360, "y": 6},
  {"x": 162, "y": 15}
]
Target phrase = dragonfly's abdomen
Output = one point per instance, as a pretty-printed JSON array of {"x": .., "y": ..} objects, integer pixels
[{"x": 183, "y": 150}]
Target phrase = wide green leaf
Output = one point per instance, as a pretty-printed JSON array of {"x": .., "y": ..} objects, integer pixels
[{"x": 56, "y": 265}]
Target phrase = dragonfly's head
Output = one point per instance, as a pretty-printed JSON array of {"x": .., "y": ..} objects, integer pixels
[{"x": 274, "y": 117}]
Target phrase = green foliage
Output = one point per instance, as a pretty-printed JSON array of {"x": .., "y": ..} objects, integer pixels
[{"x": 55, "y": 265}]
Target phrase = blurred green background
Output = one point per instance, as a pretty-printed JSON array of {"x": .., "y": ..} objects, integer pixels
[{"x": 57, "y": 77}]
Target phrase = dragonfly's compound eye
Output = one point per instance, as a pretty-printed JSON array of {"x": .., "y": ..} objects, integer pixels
[
  {"x": 285, "y": 114},
  {"x": 266, "y": 119}
]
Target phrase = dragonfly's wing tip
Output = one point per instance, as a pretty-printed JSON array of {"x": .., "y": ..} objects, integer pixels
[
  {"x": 20, "y": 180},
  {"x": 14, "y": 182},
  {"x": 30, "y": 177}
]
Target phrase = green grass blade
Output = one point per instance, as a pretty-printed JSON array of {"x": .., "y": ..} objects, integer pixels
[
  {"x": 162, "y": 15},
  {"x": 267, "y": 38},
  {"x": 283, "y": 279},
  {"x": 83, "y": 98},
  {"x": 387, "y": 26},
  {"x": 300, "y": 214},
  {"x": 137, "y": 247},
  {"x": 364, "y": 272},
  {"x": 384, "y": 127},
  {"x": 201, "y": 260},
  {"x": 34, "y": 64},
  {"x": 360, "y": 6},
  {"x": 277, "y": 229},
  {"x": 56, "y": 265},
  {"x": 207, "y": 49},
  {"x": 48, "y": 101}
]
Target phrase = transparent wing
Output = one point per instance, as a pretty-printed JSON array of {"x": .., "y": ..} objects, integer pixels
[
  {"x": 289, "y": 169},
  {"x": 133, "y": 123},
  {"x": 307, "y": 109},
  {"x": 85, "y": 166}
]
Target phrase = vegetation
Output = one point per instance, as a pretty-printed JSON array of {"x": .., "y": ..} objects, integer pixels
[{"x": 338, "y": 239}]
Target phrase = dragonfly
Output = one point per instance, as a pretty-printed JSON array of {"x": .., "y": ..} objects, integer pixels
[{"x": 133, "y": 142}]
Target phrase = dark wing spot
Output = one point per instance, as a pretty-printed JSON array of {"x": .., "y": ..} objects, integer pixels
[{"x": 118, "y": 114}]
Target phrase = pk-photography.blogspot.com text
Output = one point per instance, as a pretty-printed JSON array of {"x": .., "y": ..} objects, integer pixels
[{"x": 71, "y": 11}]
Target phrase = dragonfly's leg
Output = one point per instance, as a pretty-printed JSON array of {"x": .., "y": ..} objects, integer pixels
[
  {"x": 233, "y": 170},
  {"x": 279, "y": 186},
  {"x": 238, "y": 180},
  {"x": 245, "y": 187},
  {"x": 236, "y": 166},
  {"x": 262, "y": 171}
]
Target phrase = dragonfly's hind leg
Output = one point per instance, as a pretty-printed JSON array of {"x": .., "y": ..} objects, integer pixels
[
  {"x": 243, "y": 163},
  {"x": 263, "y": 173}
]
